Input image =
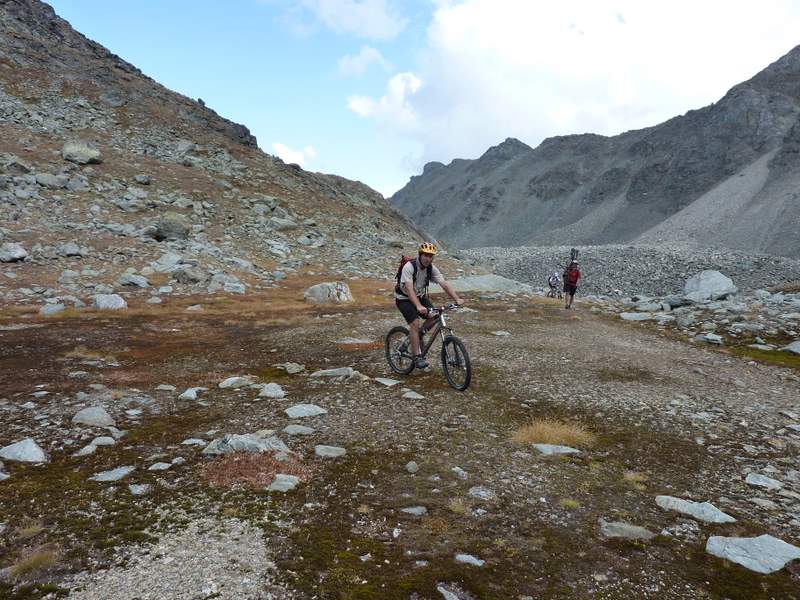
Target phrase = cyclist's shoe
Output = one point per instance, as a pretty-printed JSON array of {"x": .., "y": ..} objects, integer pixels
[{"x": 420, "y": 362}]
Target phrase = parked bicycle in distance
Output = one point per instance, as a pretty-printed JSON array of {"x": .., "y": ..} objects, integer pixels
[{"x": 455, "y": 359}]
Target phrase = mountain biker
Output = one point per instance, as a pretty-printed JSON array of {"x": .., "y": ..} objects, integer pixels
[
  {"x": 572, "y": 275},
  {"x": 411, "y": 295}
]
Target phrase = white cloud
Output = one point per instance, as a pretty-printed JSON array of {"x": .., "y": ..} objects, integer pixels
[
  {"x": 357, "y": 64},
  {"x": 499, "y": 68},
  {"x": 289, "y": 155},
  {"x": 371, "y": 19},
  {"x": 394, "y": 109}
]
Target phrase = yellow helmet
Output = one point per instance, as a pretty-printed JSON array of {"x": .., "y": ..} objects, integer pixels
[{"x": 427, "y": 248}]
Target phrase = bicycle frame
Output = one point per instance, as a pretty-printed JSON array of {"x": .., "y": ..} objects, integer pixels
[{"x": 439, "y": 329}]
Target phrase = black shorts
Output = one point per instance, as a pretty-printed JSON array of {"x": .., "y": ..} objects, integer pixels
[
  {"x": 409, "y": 310},
  {"x": 570, "y": 289}
]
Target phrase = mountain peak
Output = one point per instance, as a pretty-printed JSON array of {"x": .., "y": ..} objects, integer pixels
[{"x": 506, "y": 150}]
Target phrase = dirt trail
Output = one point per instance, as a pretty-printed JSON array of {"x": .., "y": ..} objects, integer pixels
[{"x": 669, "y": 418}]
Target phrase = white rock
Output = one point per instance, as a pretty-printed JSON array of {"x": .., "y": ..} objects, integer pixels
[
  {"x": 703, "y": 511},
  {"x": 762, "y": 481},
  {"x": 105, "y": 440},
  {"x": 86, "y": 450},
  {"x": 636, "y": 316},
  {"x": 328, "y": 293},
  {"x": 708, "y": 285},
  {"x": 412, "y": 395},
  {"x": 417, "y": 511},
  {"x": 26, "y": 450},
  {"x": 245, "y": 443},
  {"x": 501, "y": 333},
  {"x": 549, "y": 449},
  {"x": 191, "y": 393},
  {"x": 481, "y": 493},
  {"x": 794, "y": 347},
  {"x": 81, "y": 152},
  {"x": 340, "y": 372},
  {"x": 194, "y": 442},
  {"x": 299, "y": 411},
  {"x": 235, "y": 382},
  {"x": 51, "y": 309},
  {"x": 762, "y": 554},
  {"x": 12, "y": 252},
  {"x": 113, "y": 474},
  {"x": 620, "y": 529},
  {"x": 470, "y": 560},
  {"x": 159, "y": 466},
  {"x": 297, "y": 430},
  {"x": 283, "y": 483},
  {"x": 94, "y": 416},
  {"x": 139, "y": 489},
  {"x": 329, "y": 451},
  {"x": 109, "y": 302},
  {"x": 387, "y": 382},
  {"x": 272, "y": 390}
]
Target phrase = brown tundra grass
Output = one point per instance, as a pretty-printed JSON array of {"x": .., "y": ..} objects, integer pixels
[
  {"x": 37, "y": 559},
  {"x": 552, "y": 431},
  {"x": 245, "y": 469}
]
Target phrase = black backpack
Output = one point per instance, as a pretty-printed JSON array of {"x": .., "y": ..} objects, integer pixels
[{"x": 428, "y": 272}]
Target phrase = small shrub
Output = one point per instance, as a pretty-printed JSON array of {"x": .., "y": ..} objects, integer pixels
[
  {"x": 29, "y": 531},
  {"x": 457, "y": 506},
  {"x": 569, "y": 504},
  {"x": 551, "y": 431},
  {"x": 635, "y": 479},
  {"x": 36, "y": 560}
]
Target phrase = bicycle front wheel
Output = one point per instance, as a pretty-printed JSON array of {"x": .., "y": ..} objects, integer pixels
[
  {"x": 398, "y": 351},
  {"x": 455, "y": 363}
]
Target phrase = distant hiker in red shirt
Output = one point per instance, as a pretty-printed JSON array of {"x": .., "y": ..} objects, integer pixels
[{"x": 572, "y": 275}]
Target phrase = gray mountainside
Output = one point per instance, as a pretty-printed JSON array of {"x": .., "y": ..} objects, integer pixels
[{"x": 725, "y": 175}]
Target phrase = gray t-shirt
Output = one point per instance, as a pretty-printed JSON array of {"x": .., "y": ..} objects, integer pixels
[{"x": 419, "y": 285}]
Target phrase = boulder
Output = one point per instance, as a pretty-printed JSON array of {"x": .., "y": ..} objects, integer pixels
[
  {"x": 49, "y": 180},
  {"x": 233, "y": 442},
  {"x": 763, "y": 554},
  {"x": 69, "y": 249},
  {"x": 94, "y": 416},
  {"x": 51, "y": 309},
  {"x": 272, "y": 390},
  {"x": 11, "y": 252},
  {"x": 298, "y": 411},
  {"x": 26, "y": 450},
  {"x": 113, "y": 474},
  {"x": 227, "y": 283},
  {"x": 190, "y": 275},
  {"x": 133, "y": 280},
  {"x": 620, "y": 529},
  {"x": 794, "y": 347},
  {"x": 328, "y": 293},
  {"x": 81, "y": 152},
  {"x": 172, "y": 226},
  {"x": 329, "y": 451},
  {"x": 109, "y": 302},
  {"x": 284, "y": 483},
  {"x": 703, "y": 511},
  {"x": 708, "y": 285}
]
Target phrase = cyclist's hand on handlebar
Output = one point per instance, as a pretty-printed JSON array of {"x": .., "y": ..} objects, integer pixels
[
  {"x": 460, "y": 302},
  {"x": 423, "y": 310}
]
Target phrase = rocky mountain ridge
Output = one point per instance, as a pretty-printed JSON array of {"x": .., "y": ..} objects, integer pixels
[
  {"x": 109, "y": 182},
  {"x": 724, "y": 175}
]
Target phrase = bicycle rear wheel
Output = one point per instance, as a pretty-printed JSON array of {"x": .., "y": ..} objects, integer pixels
[
  {"x": 455, "y": 363},
  {"x": 398, "y": 350}
]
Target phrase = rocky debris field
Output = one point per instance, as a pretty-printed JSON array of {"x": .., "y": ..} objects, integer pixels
[
  {"x": 206, "y": 454},
  {"x": 627, "y": 270}
]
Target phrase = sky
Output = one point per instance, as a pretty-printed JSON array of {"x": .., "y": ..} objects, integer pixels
[{"x": 373, "y": 89}]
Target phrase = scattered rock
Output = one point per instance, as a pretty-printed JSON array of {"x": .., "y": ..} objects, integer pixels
[
  {"x": 272, "y": 390},
  {"x": 340, "y": 372},
  {"x": 703, "y": 511},
  {"x": 284, "y": 483},
  {"x": 245, "y": 443},
  {"x": 51, "y": 309},
  {"x": 708, "y": 285},
  {"x": 11, "y": 252},
  {"x": 329, "y": 451},
  {"x": 191, "y": 393},
  {"x": 417, "y": 511},
  {"x": 412, "y": 467},
  {"x": 297, "y": 430},
  {"x": 620, "y": 529},
  {"x": 412, "y": 395},
  {"x": 468, "y": 559},
  {"x": 299, "y": 411},
  {"x": 549, "y": 449},
  {"x": 762, "y": 481},
  {"x": 109, "y": 302},
  {"x": 762, "y": 554},
  {"x": 81, "y": 152},
  {"x": 26, "y": 450},
  {"x": 328, "y": 293},
  {"x": 235, "y": 382},
  {"x": 140, "y": 489},
  {"x": 113, "y": 474},
  {"x": 481, "y": 493},
  {"x": 94, "y": 416}
]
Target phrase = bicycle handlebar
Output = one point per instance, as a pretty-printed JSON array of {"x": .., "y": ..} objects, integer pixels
[{"x": 432, "y": 312}]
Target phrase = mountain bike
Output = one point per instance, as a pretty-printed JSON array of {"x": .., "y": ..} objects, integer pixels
[{"x": 455, "y": 359}]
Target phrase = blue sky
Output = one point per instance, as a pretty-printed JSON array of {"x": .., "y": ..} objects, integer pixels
[{"x": 373, "y": 89}]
